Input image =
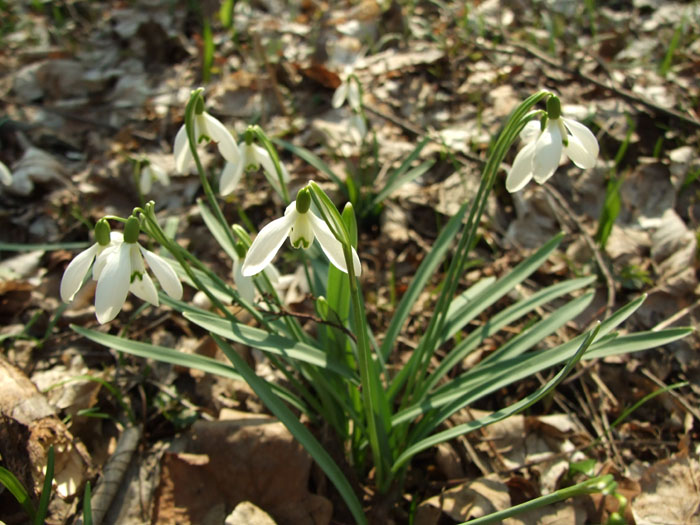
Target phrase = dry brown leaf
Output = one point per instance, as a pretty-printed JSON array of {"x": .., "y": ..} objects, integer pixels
[
  {"x": 670, "y": 493},
  {"x": 244, "y": 457}
]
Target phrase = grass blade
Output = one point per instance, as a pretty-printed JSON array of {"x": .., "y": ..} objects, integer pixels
[{"x": 11, "y": 483}]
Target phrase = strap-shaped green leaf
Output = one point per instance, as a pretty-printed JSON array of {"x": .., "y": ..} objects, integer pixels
[
  {"x": 499, "y": 414},
  {"x": 11, "y": 483},
  {"x": 267, "y": 342}
]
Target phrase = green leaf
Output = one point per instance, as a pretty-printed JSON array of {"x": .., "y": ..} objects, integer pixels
[
  {"x": 299, "y": 431},
  {"x": 43, "y": 507},
  {"x": 395, "y": 184},
  {"x": 272, "y": 343},
  {"x": 87, "y": 505},
  {"x": 11, "y": 483},
  {"x": 499, "y": 415},
  {"x": 175, "y": 357},
  {"x": 314, "y": 160}
]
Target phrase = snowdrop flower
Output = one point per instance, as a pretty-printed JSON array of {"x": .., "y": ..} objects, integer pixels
[
  {"x": 244, "y": 283},
  {"x": 206, "y": 128},
  {"x": 120, "y": 269},
  {"x": 348, "y": 89},
  {"x": 5, "y": 175},
  {"x": 302, "y": 227},
  {"x": 80, "y": 266},
  {"x": 151, "y": 172},
  {"x": 252, "y": 157},
  {"x": 544, "y": 146}
]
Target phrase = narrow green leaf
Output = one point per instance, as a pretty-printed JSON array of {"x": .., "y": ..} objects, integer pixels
[
  {"x": 11, "y": 483},
  {"x": 274, "y": 344},
  {"x": 87, "y": 505},
  {"x": 314, "y": 160},
  {"x": 43, "y": 507},
  {"x": 175, "y": 357},
  {"x": 394, "y": 185},
  {"x": 499, "y": 414},
  {"x": 299, "y": 431}
]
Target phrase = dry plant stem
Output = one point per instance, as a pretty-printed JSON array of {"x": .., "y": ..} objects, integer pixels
[
  {"x": 609, "y": 281},
  {"x": 621, "y": 92},
  {"x": 680, "y": 314},
  {"x": 113, "y": 473},
  {"x": 691, "y": 410}
]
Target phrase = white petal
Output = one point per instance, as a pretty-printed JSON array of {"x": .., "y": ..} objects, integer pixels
[
  {"x": 332, "y": 247},
  {"x": 262, "y": 157},
  {"x": 159, "y": 174},
  {"x": 578, "y": 154},
  {"x": 181, "y": 151},
  {"x": 339, "y": 95},
  {"x": 531, "y": 131},
  {"x": 548, "y": 150},
  {"x": 268, "y": 242},
  {"x": 584, "y": 136},
  {"x": 145, "y": 181},
  {"x": 302, "y": 234},
  {"x": 113, "y": 284},
  {"x": 245, "y": 285},
  {"x": 5, "y": 175},
  {"x": 217, "y": 132},
  {"x": 230, "y": 177},
  {"x": 142, "y": 287},
  {"x": 164, "y": 272},
  {"x": 76, "y": 272},
  {"x": 521, "y": 172},
  {"x": 354, "y": 95},
  {"x": 141, "y": 284}
]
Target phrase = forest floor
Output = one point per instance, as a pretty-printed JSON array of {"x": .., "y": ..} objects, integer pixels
[{"x": 87, "y": 87}]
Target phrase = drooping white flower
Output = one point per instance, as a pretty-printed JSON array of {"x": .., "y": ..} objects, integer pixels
[
  {"x": 252, "y": 157},
  {"x": 208, "y": 128},
  {"x": 245, "y": 283},
  {"x": 79, "y": 267},
  {"x": 543, "y": 149},
  {"x": 301, "y": 226},
  {"x": 349, "y": 89},
  {"x": 120, "y": 269},
  {"x": 5, "y": 175},
  {"x": 151, "y": 172}
]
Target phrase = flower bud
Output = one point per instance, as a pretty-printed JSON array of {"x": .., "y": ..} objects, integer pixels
[
  {"x": 553, "y": 107},
  {"x": 303, "y": 200},
  {"x": 131, "y": 230},
  {"x": 102, "y": 231}
]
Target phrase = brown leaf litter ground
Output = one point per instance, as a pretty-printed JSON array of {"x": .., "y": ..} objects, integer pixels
[{"x": 86, "y": 86}]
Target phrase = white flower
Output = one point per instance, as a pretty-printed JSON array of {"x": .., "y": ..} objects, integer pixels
[
  {"x": 80, "y": 266},
  {"x": 245, "y": 284},
  {"x": 348, "y": 89},
  {"x": 5, "y": 175},
  {"x": 252, "y": 157},
  {"x": 540, "y": 156},
  {"x": 120, "y": 269},
  {"x": 301, "y": 228},
  {"x": 149, "y": 173},
  {"x": 204, "y": 126}
]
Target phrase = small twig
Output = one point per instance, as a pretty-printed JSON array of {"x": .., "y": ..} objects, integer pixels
[
  {"x": 629, "y": 96},
  {"x": 113, "y": 473},
  {"x": 691, "y": 410},
  {"x": 282, "y": 312},
  {"x": 676, "y": 317}
]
